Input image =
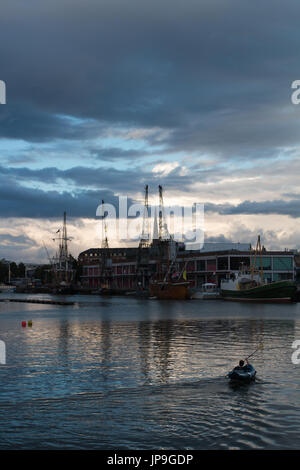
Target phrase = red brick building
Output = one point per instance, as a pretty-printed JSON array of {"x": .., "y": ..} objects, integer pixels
[{"x": 123, "y": 269}]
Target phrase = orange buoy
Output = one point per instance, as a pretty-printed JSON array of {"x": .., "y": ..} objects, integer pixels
[
  {"x": 29, "y": 323},
  {"x": 23, "y": 323}
]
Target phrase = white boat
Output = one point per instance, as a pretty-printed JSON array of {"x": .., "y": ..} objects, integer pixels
[
  {"x": 208, "y": 291},
  {"x": 7, "y": 288}
]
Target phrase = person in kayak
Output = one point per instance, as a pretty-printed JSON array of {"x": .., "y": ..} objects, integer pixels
[
  {"x": 242, "y": 365},
  {"x": 243, "y": 372}
]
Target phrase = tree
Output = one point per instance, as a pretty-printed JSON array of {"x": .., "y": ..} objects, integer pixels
[
  {"x": 21, "y": 270},
  {"x": 3, "y": 271},
  {"x": 78, "y": 270},
  {"x": 44, "y": 273},
  {"x": 13, "y": 270}
]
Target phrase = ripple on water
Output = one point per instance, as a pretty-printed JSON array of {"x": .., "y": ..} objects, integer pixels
[{"x": 129, "y": 374}]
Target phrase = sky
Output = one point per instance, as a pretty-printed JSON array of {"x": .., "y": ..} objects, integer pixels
[{"x": 105, "y": 96}]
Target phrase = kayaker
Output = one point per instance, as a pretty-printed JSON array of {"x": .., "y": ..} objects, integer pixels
[
  {"x": 243, "y": 372},
  {"x": 242, "y": 365}
]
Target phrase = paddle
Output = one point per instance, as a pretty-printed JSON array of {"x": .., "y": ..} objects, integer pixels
[{"x": 260, "y": 347}]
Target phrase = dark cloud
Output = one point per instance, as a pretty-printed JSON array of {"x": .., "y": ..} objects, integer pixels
[
  {"x": 19, "y": 201},
  {"x": 28, "y": 122},
  {"x": 15, "y": 241},
  {"x": 279, "y": 207},
  {"x": 216, "y": 74},
  {"x": 116, "y": 153},
  {"x": 204, "y": 78},
  {"x": 105, "y": 179}
]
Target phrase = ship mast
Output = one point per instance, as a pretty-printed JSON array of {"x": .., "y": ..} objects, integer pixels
[
  {"x": 164, "y": 236},
  {"x": 63, "y": 271},
  {"x": 254, "y": 269}
]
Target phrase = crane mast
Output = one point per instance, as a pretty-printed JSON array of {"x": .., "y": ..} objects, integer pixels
[
  {"x": 104, "y": 243},
  {"x": 145, "y": 237},
  {"x": 163, "y": 233}
]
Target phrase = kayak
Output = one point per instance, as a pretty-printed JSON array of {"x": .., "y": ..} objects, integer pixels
[{"x": 245, "y": 374}]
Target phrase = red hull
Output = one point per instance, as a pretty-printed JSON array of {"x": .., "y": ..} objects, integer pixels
[{"x": 169, "y": 290}]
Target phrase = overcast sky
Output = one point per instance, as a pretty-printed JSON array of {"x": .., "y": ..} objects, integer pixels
[{"x": 105, "y": 96}]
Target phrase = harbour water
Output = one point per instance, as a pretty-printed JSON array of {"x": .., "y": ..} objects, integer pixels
[{"x": 126, "y": 373}]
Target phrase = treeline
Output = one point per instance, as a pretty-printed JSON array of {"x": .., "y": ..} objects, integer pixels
[
  {"x": 46, "y": 275},
  {"x": 16, "y": 270},
  {"x": 44, "y": 272}
]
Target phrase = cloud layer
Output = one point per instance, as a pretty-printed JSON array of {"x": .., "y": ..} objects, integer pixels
[{"x": 106, "y": 96}]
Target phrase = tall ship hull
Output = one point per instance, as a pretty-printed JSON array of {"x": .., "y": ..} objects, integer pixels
[
  {"x": 281, "y": 291},
  {"x": 169, "y": 290}
]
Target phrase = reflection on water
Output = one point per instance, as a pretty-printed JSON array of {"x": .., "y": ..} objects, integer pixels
[{"x": 126, "y": 373}]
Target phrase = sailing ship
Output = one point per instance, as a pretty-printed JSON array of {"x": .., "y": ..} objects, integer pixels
[
  {"x": 251, "y": 286},
  {"x": 169, "y": 290},
  {"x": 168, "y": 283},
  {"x": 62, "y": 272}
]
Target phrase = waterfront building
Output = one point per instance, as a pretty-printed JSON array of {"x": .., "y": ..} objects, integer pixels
[{"x": 121, "y": 268}]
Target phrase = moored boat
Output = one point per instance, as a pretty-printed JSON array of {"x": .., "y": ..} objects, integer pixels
[
  {"x": 251, "y": 286},
  {"x": 208, "y": 291},
  {"x": 169, "y": 290},
  {"x": 7, "y": 288},
  {"x": 243, "y": 289}
]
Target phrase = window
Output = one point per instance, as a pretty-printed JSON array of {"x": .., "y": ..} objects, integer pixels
[
  {"x": 200, "y": 280},
  {"x": 201, "y": 265},
  {"x": 190, "y": 266},
  {"x": 267, "y": 277},
  {"x": 266, "y": 262},
  {"x": 236, "y": 262},
  {"x": 211, "y": 265},
  {"x": 222, "y": 263},
  {"x": 285, "y": 276},
  {"x": 282, "y": 263}
]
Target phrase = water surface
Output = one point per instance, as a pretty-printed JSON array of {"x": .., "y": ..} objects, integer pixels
[{"x": 122, "y": 373}]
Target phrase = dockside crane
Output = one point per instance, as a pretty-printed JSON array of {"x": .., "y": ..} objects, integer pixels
[
  {"x": 105, "y": 270},
  {"x": 144, "y": 246},
  {"x": 145, "y": 236},
  {"x": 163, "y": 233},
  {"x": 104, "y": 243}
]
